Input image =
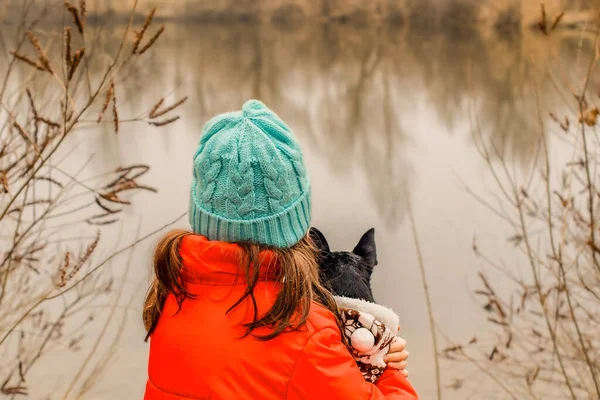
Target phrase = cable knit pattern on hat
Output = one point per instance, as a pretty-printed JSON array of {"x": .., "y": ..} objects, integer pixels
[{"x": 250, "y": 183}]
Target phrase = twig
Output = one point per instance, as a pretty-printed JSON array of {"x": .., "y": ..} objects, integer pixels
[
  {"x": 490, "y": 374},
  {"x": 76, "y": 17},
  {"x": 140, "y": 35},
  {"x": 155, "y": 112},
  {"x": 113, "y": 256},
  {"x": 108, "y": 98},
  {"x": 540, "y": 293},
  {"x": 557, "y": 20},
  {"x": 106, "y": 323},
  {"x": 152, "y": 40},
  {"x": 68, "y": 55},
  {"x": 82, "y": 11},
  {"x": 581, "y": 100},
  {"x": 49, "y": 296},
  {"x": 67, "y": 127},
  {"x": 427, "y": 299},
  {"x": 75, "y": 60},
  {"x": 114, "y": 109},
  {"x": 43, "y": 59},
  {"x": 27, "y": 60},
  {"x": 543, "y": 24},
  {"x": 557, "y": 253},
  {"x": 156, "y": 107},
  {"x": 165, "y": 122}
]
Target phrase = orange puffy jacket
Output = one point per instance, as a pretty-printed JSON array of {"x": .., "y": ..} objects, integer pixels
[{"x": 198, "y": 352}]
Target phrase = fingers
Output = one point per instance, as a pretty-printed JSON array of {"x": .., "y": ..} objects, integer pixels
[
  {"x": 396, "y": 357},
  {"x": 398, "y": 365},
  {"x": 398, "y": 345}
]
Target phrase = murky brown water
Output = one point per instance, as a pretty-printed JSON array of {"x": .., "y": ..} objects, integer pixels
[{"x": 385, "y": 117}]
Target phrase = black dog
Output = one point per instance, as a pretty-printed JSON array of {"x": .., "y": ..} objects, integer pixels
[
  {"x": 369, "y": 328},
  {"x": 345, "y": 273}
]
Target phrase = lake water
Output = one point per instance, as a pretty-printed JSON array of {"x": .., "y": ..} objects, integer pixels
[{"x": 385, "y": 117}]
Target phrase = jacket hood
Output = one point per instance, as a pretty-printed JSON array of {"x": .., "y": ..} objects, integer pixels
[{"x": 218, "y": 263}]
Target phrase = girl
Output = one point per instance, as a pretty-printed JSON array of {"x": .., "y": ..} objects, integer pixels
[{"x": 236, "y": 310}]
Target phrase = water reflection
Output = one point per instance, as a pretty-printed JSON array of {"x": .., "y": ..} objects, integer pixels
[
  {"x": 350, "y": 89},
  {"x": 372, "y": 103}
]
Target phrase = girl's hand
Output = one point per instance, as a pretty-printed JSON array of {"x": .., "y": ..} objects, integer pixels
[{"x": 398, "y": 355}]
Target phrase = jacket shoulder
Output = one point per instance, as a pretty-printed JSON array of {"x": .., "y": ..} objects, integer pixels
[{"x": 320, "y": 318}]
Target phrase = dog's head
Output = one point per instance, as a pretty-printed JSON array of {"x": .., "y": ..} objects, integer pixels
[{"x": 347, "y": 273}]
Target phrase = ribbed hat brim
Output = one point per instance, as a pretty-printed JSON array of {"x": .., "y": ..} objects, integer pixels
[{"x": 281, "y": 230}]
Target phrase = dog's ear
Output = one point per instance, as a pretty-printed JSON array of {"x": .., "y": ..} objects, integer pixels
[
  {"x": 366, "y": 247},
  {"x": 319, "y": 240}
]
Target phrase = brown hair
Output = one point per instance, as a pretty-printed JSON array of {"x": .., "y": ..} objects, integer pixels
[{"x": 298, "y": 273}]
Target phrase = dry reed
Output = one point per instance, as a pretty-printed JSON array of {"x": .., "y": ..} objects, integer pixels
[
  {"x": 165, "y": 122},
  {"x": 40, "y": 302},
  {"x": 77, "y": 19},
  {"x": 76, "y": 59},
  {"x": 543, "y": 24},
  {"x": 557, "y": 20},
  {"x": 83, "y": 10},
  {"x": 114, "y": 108},
  {"x": 545, "y": 343},
  {"x": 155, "y": 108},
  {"x": 62, "y": 271},
  {"x": 432, "y": 326},
  {"x": 27, "y": 60},
  {"x": 153, "y": 39},
  {"x": 48, "y": 122},
  {"x": 156, "y": 113},
  {"x": 109, "y": 95},
  {"x": 139, "y": 35},
  {"x": 32, "y": 104},
  {"x": 42, "y": 57},
  {"x": 82, "y": 260},
  {"x": 68, "y": 54}
]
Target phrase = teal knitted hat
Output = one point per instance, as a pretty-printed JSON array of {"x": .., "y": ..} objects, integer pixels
[{"x": 250, "y": 184}]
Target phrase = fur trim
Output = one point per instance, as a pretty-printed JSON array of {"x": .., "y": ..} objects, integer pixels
[
  {"x": 370, "y": 329},
  {"x": 383, "y": 314}
]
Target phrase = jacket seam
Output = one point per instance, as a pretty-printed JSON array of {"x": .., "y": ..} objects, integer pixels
[
  {"x": 300, "y": 353},
  {"x": 170, "y": 393}
]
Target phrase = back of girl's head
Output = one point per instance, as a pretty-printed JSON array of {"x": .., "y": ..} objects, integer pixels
[
  {"x": 297, "y": 270},
  {"x": 167, "y": 278},
  {"x": 249, "y": 187}
]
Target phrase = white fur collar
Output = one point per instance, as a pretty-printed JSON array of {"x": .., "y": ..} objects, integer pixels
[{"x": 383, "y": 314}]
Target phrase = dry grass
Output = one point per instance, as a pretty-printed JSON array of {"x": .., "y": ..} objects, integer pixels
[
  {"x": 152, "y": 40},
  {"x": 432, "y": 326},
  {"x": 545, "y": 343},
  {"x": 139, "y": 35},
  {"x": 48, "y": 280}
]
